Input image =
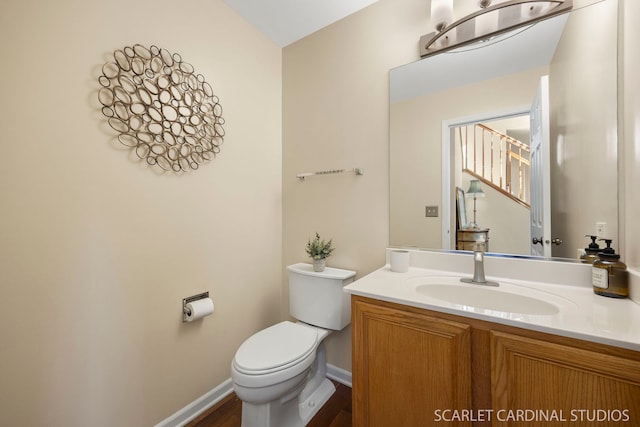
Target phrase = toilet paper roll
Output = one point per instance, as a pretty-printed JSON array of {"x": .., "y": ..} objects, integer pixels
[{"x": 199, "y": 309}]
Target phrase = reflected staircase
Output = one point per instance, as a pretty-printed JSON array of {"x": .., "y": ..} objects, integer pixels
[{"x": 497, "y": 160}]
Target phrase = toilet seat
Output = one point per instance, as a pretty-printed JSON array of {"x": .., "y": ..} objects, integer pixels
[{"x": 276, "y": 349}]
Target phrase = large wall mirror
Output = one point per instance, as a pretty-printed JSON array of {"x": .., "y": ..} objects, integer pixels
[{"x": 441, "y": 105}]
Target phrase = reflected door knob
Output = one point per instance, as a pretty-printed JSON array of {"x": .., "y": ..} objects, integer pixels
[
  {"x": 535, "y": 241},
  {"x": 556, "y": 241}
]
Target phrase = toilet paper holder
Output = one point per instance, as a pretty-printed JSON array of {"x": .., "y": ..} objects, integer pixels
[{"x": 185, "y": 301}]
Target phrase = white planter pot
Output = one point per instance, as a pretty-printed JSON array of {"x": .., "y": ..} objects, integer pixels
[{"x": 319, "y": 264}]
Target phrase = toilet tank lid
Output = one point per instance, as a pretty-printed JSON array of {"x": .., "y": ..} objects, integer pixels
[{"x": 327, "y": 273}]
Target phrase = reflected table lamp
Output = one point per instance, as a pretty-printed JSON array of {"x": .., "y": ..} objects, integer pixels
[{"x": 474, "y": 191}]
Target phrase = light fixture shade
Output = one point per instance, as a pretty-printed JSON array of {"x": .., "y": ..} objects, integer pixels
[
  {"x": 494, "y": 17},
  {"x": 475, "y": 190},
  {"x": 441, "y": 14}
]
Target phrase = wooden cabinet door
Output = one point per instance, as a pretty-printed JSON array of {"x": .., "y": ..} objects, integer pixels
[
  {"x": 568, "y": 386},
  {"x": 407, "y": 366}
]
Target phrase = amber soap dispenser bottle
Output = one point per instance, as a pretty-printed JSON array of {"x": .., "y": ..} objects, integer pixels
[{"x": 609, "y": 275}]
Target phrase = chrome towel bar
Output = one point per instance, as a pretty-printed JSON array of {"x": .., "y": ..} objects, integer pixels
[{"x": 302, "y": 176}]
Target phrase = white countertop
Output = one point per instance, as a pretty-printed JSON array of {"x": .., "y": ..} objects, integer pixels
[{"x": 582, "y": 314}]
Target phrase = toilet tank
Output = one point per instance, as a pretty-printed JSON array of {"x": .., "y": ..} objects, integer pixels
[{"x": 317, "y": 298}]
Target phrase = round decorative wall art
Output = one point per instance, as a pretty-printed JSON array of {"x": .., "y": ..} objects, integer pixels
[{"x": 165, "y": 112}]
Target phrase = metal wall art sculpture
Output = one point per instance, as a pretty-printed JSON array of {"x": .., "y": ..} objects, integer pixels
[{"x": 161, "y": 109}]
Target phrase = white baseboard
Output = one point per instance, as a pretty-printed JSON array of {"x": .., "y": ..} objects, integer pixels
[
  {"x": 198, "y": 406},
  {"x": 339, "y": 374},
  {"x": 206, "y": 401}
]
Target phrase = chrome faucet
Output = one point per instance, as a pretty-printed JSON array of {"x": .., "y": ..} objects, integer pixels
[{"x": 478, "y": 269}]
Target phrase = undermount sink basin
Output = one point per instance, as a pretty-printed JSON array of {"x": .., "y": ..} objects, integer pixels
[{"x": 507, "y": 298}]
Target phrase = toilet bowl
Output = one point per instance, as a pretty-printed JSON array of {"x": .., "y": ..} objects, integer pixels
[
  {"x": 279, "y": 373},
  {"x": 272, "y": 369}
]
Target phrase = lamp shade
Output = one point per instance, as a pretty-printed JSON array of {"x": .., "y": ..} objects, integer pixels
[
  {"x": 441, "y": 13},
  {"x": 475, "y": 190}
]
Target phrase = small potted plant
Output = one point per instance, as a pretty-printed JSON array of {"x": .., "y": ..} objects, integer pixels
[{"x": 319, "y": 250}]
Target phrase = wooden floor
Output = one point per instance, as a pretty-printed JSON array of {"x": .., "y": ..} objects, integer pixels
[{"x": 227, "y": 413}]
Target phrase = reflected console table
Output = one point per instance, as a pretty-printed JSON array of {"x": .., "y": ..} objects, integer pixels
[{"x": 466, "y": 239}]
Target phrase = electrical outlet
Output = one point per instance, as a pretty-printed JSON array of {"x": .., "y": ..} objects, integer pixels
[
  {"x": 601, "y": 229},
  {"x": 431, "y": 211}
]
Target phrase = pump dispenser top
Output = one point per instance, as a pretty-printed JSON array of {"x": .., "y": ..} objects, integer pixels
[
  {"x": 591, "y": 252},
  {"x": 609, "y": 275},
  {"x": 608, "y": 252}
]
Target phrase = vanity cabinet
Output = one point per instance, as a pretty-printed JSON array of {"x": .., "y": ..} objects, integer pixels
[
  {"x": 415, "y": 367},
  {"x": 400, "y": 358}
]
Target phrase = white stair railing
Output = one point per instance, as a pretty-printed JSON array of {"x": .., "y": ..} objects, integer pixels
[{"x": 497, "y": 159}]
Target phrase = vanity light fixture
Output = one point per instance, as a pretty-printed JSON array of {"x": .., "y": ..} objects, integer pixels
[
  {"x": 474, "y": 191},
  {"x": 494, "y": 17}
]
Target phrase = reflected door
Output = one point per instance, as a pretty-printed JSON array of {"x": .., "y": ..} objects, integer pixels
[{"x": 540, "y": 172}]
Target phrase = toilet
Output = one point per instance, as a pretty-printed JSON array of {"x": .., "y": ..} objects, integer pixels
[{"x": 279, "y": 373}]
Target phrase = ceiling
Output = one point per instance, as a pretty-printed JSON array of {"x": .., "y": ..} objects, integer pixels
[{"x": 286, "y": 21}]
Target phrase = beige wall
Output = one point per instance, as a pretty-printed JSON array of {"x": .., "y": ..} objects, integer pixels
[
  {"x": 97, "y": 251},
  {"x": 336, "y": 115}
]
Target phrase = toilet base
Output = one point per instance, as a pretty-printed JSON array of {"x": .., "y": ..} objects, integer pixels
[
  {"x": 292, "y": 413},
  {"x": 316, "y": 400},
  {"x": 298, "y": 407}
]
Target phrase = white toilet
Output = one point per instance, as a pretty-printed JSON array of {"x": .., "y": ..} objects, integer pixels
[{"x": 279, "y": 373}]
